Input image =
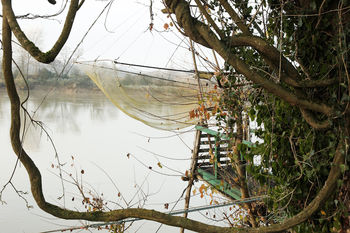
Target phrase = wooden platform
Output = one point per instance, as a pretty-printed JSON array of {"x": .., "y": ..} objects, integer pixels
[{"x": 214, "y": 165}]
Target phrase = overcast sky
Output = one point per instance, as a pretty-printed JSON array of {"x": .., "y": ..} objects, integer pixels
[{"x": 129, "y": 39}]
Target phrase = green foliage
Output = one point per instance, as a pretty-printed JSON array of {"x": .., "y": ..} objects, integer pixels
[{"x": 294, "y": 158}]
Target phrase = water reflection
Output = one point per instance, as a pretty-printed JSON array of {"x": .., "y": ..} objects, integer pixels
[
  {"x": 59, "y": 112},
  {"x": 92, "y": 129},
  {"x": 66, "y": 108}
]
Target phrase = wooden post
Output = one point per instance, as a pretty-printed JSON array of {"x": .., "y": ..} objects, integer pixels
[
  {"x": 192, "y": 173},
  {"x": 217, "y": 140}
]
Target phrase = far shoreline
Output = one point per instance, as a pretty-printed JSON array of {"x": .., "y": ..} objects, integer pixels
[{"x": 53, "y": 91}]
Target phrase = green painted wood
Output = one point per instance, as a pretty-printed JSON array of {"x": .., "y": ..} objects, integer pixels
[
  {"x": 217, "y": 184},
  {"x": 212, "y": 179},
  {"x": 211, "y": 132},
  {"x": 248, "y": 143},
  {"x": 223, "y": 136}
]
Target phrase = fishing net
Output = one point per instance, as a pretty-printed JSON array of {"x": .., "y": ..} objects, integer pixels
[{"x": 159, "y": 98}]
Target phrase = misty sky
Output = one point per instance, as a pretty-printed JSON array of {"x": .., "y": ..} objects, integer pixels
[{"x": 121, "y": 34}]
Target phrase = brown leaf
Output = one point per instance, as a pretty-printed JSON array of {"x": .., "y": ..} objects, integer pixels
[
  {"x": 166, "y": 26},
  {"x": 159, "y": 165},
  {"x": 192, "y": 114}
]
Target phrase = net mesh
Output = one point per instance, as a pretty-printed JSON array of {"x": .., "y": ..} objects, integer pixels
[{"x": 160, "y": 99}]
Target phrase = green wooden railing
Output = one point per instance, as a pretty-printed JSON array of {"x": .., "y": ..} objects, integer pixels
[{"x": 212, "y": 179}]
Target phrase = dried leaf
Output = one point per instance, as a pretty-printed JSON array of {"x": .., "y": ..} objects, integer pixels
[
  {"x": 166, "y": 26},
  {"x": 192, "y": 114},
  {"x": 159, "y": 165}
]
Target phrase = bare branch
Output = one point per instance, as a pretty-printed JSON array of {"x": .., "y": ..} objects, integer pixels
[
  {"x": 210, "y": 20},
  {"x": 28, "y": 45},
  {"x": 235, "y": 17},
  {"x": 186, "y": 21}
]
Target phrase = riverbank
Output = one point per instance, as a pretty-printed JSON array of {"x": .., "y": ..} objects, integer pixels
[
  {"x": 46, "y": 79},
  {"x": 58, "y": 92}
]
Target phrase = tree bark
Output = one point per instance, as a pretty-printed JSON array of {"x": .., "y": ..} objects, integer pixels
[{"x": 28, "y": 45}]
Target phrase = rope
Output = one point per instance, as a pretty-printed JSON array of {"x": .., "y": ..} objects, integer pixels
[
  {"x": 153, "y": 67},
  {"x": 177, "y": 212},
  {"x": 136, "y": 73}
]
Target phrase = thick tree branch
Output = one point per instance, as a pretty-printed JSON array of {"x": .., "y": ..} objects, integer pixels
[
  {"x": 269, "y": 52},
  {"x": 321, "y": 197},
  {"x": 28, "y": 45},
  {"x": 317, "y": 83},
  {"x": 310, "y": 119},
  {"x": 274, "y": 88},
  {"x": 240, "y": 169},
  {"x": 193, "y": 26}
]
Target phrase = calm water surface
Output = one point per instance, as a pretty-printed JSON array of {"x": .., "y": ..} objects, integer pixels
[{"x": 99, "y": 137}]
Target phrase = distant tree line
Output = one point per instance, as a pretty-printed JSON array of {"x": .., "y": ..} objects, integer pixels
[{"x": 48, "y": 77}]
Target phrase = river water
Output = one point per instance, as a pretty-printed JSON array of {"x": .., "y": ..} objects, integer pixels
[{"x": 107, "y": 145}]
